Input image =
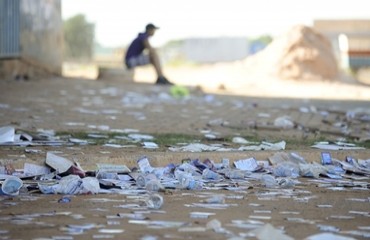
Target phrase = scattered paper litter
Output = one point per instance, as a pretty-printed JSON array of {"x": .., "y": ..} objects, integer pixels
[
  {"x": 268, "y": 232},
  {"x": 194, "y": 147},
  {"x": 264, "y": 146},
  {"x": 328, "y": 146},
  {"x": 113, "y": 145},
  {"x": 199, "y": 147},
  {"x": 328, "y": 236}
]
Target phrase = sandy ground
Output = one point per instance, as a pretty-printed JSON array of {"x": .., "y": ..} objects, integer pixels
[
  {"x": 76, "y": 105},
  {"x": 236, "y": 79}
]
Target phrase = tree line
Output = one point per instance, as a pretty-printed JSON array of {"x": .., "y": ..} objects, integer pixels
[{"x": 79, "y": 37}]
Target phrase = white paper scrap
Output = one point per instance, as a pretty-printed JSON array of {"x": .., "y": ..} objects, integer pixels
[
  {"x": 335, "y": 147},
  {"x": 7, "y": 134},
  {"x": 192, "y": 229},
  {"x": 58, "y": 163},
  {"x": 106, "y": 230},
  {"x": 30, "y": 169},
  {"x": 150, "y": 145},
  {"x": 240, "y": 140},
  {"x": 249, "y": 164},
  {"x": 78, "y": 141},
  {"x": 113, "y": 145},
  {"x": 194, "y": 147},
  {"x": 203, "y": 215},
  {"x": 268, "y": 232}
]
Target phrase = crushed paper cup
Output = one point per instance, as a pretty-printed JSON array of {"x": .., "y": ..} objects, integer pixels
[{"x": 11, "y": 186}]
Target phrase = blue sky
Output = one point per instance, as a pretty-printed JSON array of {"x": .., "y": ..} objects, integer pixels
[{"x": 118, "y": 21}]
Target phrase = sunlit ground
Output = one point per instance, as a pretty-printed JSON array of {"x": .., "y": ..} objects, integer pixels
[
  {"x": 229, "y": 78},
  {"x": 232, "y": 78},
  {"x": 80, "y": 70}
]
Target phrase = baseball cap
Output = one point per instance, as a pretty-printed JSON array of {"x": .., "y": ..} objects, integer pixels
[{"x": 151, "y": 26}]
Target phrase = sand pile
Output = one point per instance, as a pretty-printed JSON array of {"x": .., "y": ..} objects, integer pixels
[{"x": 300, "y": 54}]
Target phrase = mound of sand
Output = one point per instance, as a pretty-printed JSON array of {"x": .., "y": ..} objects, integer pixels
[{"x": 300, "y": 54}]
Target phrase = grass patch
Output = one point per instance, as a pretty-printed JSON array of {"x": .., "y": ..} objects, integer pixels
[
  {"x": 174, "y": 138},
  {"x": 79, "y": 135},
  {"x": 159, "y": 138},
  {"x": 93, "y": 140},
  {"x": 365, "y": 144},
  {"x": 167, "y": 139}
]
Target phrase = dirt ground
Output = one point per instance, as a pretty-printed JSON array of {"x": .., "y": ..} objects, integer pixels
[{"x": 77, "y": 106}]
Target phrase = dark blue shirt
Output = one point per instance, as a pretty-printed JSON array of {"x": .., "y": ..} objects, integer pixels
[{"x": 137, "y": 46}]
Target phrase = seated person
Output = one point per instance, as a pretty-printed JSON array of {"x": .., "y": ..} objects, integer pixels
[{"x": 135, "y": 54}]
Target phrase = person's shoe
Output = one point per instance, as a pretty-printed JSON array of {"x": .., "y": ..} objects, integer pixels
[{"x": 163, "y": 81}]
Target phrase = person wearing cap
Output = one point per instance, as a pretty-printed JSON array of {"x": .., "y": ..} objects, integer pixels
[{"x": 135, "y": 55}]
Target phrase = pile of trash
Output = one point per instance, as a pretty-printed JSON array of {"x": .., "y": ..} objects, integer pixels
[
  {"x": 145, "y": 186},
  {"x": 300, "y": 54},
  {"x": 59, "y": 175}
]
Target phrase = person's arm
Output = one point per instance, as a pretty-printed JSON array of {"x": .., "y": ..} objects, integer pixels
[{"x": 149, "y": 47}]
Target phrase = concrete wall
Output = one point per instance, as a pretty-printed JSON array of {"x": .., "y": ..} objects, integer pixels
[{"x": 39, "y": 38}]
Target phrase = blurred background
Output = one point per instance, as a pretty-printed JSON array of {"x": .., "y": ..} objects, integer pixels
[{"x": 220, "y": 45}]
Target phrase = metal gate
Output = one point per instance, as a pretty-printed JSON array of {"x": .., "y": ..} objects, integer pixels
[{"x": 9, "y": 28}]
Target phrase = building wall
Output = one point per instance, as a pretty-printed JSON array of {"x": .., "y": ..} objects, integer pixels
[
  {"x": 350, "y": 40},
  {"x": 343, "y": 26},
  {"x": 35, "y": 30},
  {"x": 41, "y": 37}
]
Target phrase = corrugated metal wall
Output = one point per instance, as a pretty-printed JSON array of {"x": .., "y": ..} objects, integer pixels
[{"x": 9, "y": 28}]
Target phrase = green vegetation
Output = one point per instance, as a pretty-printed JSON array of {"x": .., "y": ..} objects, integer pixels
[
  {"x": 168, "y": 139},
  {"x": 180, "y": 62},
  {"x": 78, "y": 38},
  {"x": 265, "y": 39},
  {"x": 173, "y": 138},
  {"x": 160, "y": 139}
]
